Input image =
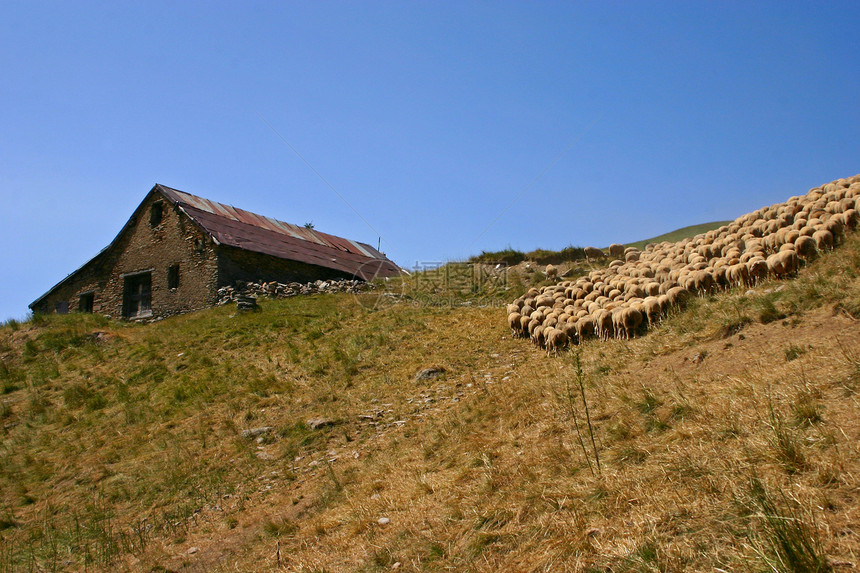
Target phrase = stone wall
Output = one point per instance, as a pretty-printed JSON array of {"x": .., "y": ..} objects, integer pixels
[
  {"x": 237, "y": 266},
  {"x": 276, "y": 290},
  {"x": 149, "y": 244}
]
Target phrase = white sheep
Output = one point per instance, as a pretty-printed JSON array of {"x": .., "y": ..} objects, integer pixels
[
  {"x": 555, "y": 340},
  {"x": 594, "y": 253},
  {"x": 823, "y": 239},
  {"x": 616, "y": 251}
]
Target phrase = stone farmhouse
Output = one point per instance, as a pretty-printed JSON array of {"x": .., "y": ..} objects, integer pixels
[{"x": 177, "y": 250}]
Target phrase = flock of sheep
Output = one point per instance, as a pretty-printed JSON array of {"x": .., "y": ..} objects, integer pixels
[{"x": 639, "y": 287}]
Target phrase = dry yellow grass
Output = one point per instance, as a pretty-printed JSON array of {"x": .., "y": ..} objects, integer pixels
[{"x": 733, "y": 417}]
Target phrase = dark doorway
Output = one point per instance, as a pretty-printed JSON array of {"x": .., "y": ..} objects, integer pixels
[
  {"x": 85, "y": 304},
  {"x": 137, "y": 296}
]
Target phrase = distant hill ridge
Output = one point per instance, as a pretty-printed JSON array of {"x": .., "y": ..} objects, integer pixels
[
  {"x": 680, "y": 234},
  {"x": 572, "y": 253}
]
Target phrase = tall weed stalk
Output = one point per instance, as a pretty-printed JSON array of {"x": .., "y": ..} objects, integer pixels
[
  {"x": 571, "y": 407},
  {"x": 788, "y": 449},
  {"x": 790, "y": 544}
]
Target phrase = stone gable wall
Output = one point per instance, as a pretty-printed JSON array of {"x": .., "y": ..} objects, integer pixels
[{"x": 175, "y": 240}]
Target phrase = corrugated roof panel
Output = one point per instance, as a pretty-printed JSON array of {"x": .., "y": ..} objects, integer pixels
[
  {"x": 188, "y": 199},
  {"x": 248, "y": 237},
  {"x": 342, "y": 244},
  {"x": 287, "y": 228},
  {"x": 245, "y": 230},
  {"x": 361, "y": 249},
  {"x": 312, "y": 236},
  {"x": 270, "y": 223},
  {"x": 227, "y": 210},
  {"x": 207, "y": 205},
  {"x": 374, "y": 252},
  {"x": 254, "y": 219}
]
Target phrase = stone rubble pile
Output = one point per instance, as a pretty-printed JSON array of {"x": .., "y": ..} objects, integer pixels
[
  {"x": 229, "y": 294},
  {"x": 246, "y": 302}
]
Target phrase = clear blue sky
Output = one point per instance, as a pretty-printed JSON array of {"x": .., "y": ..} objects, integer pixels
[{"x": 430, "y": 118}]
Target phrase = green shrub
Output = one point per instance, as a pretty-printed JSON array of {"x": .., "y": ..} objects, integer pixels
[
  {"x": 76, "y": 395},
  {"x": 793, "y": 352},
  {"x": 767, "y": 310},
  {"x": 567, "y": 254},
  {"x": 10, "y": 378},
  {"x": 508, "y": 256}
]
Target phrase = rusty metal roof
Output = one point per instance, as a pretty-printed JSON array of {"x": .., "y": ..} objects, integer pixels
[{"x": 245, "y": 230}]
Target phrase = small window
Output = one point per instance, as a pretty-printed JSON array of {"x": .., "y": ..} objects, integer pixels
[
  {"x": 173, "y": 276},
  {"x": 156, "y": 214},
  {"x": 85, "y": 304},
  {"x": 62, "y": 307}
]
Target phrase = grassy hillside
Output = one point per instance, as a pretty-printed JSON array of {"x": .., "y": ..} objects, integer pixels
[
  {"x": 726, "y": 439},
  {"x": 680, "y": 234}
]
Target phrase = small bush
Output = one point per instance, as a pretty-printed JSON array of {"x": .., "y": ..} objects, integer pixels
[
  {"x": 31, "y": 350},
  {"x": 7, "y": 522},
  {"x": 571, "y": 253},
  {"x": 10, "y": 378},
  {"x": 59, "y": 340},
  {"x": 297, "y": 437},
  {"x": 767, "y": 310},
  {"x": 648, "y": 556},
  {"x": 314, "y": 334},
  {"x": 149, "y": 374},
  {"x": 76, "y": 395},
  {"x": 733, "y": 326},
  {"x": 482, "y": 541},
  {"x": 806, "y": 410},
  {"x": 793, "y": 352},
  {"x": 513, "y": 257},
  {"x": 280, "y": 528}
]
